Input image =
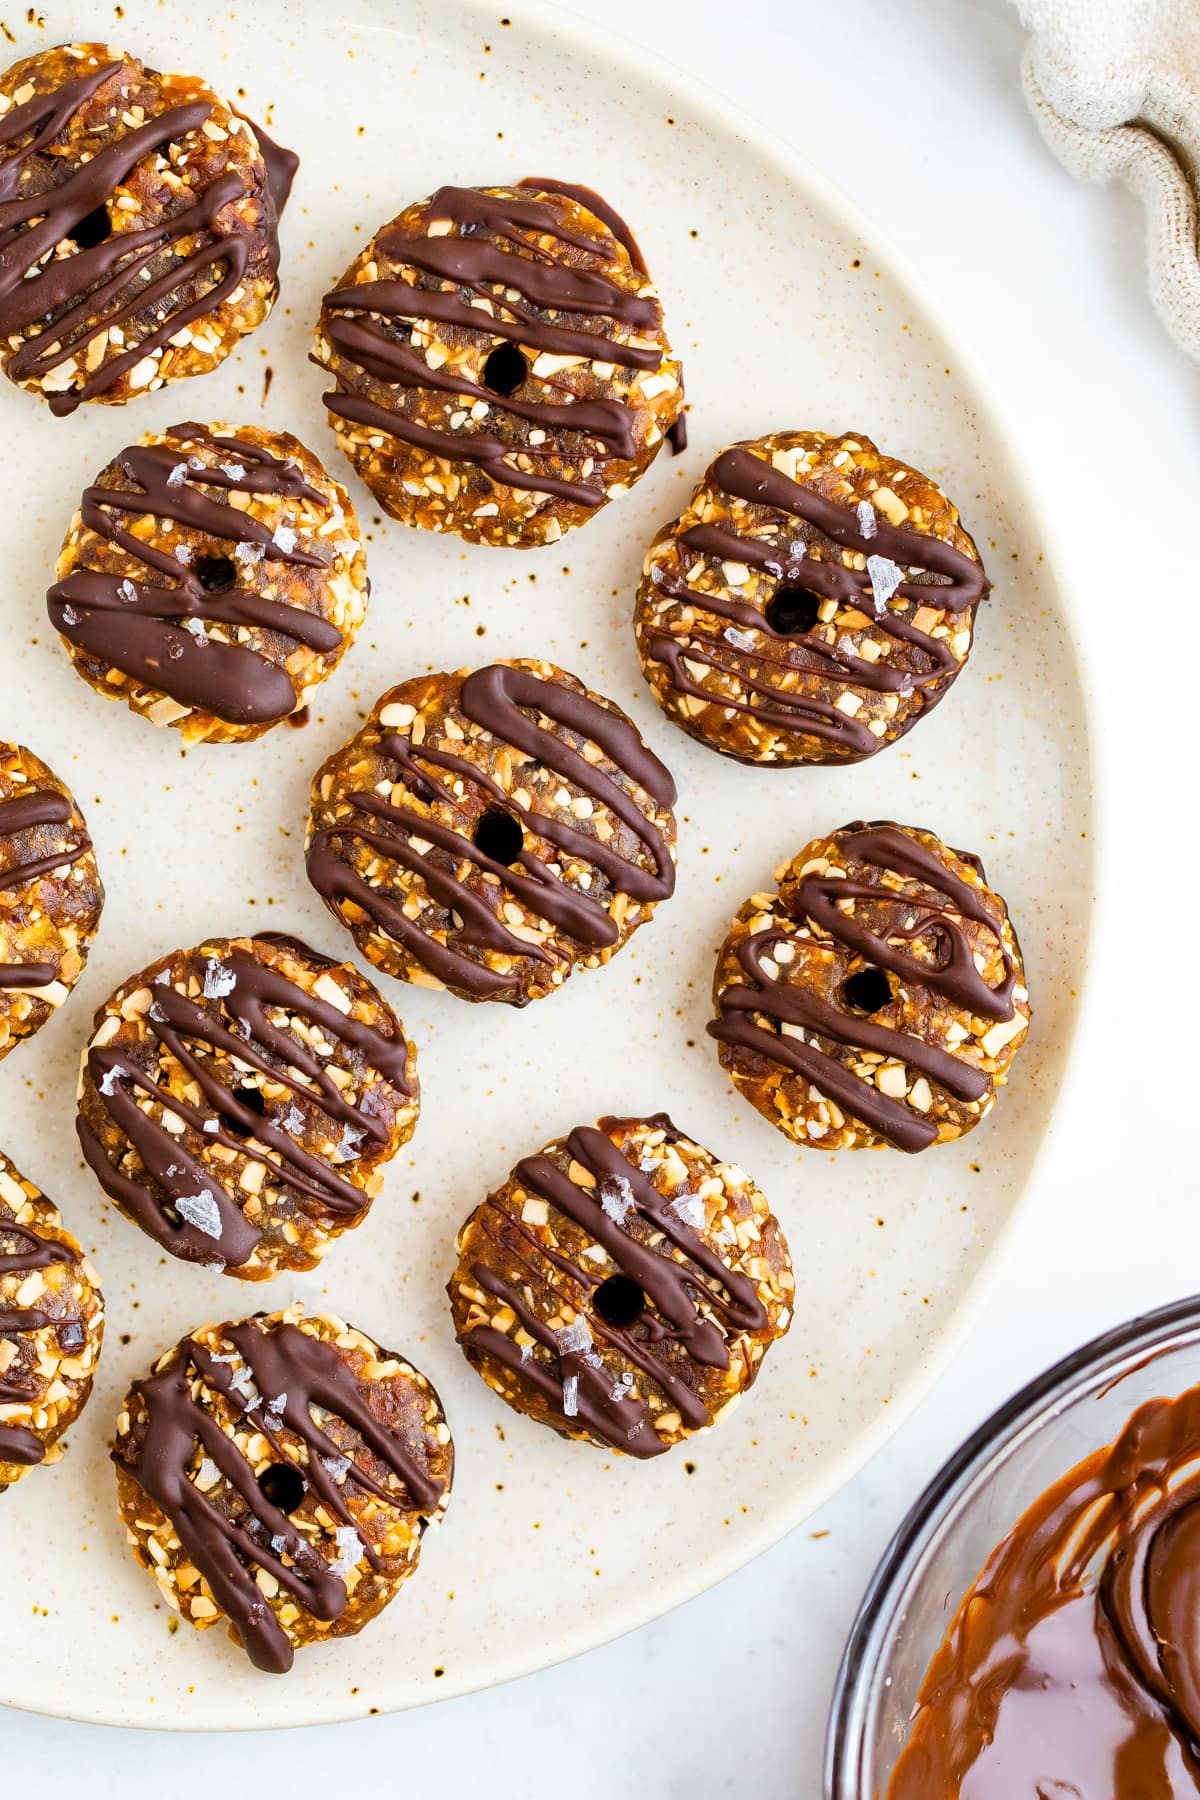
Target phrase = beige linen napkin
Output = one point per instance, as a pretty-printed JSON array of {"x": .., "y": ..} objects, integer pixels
[{"x": 1115, "y": 87}]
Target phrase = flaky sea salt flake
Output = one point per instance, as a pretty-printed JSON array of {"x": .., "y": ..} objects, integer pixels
[
  {"x": 885, "y": 579},
  {"x": 218, "y": 980},
  {"x": 616, "y": 1197},
  {"x": 576, "y": 1336},
  {"x": 689, "y": 1208},
  {"x": 350, "y": 1550},
  {"x": 200, "y": 1210}
]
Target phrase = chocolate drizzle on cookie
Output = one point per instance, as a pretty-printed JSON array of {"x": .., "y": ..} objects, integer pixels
[
  {"x": 29, "y": 812},
  {"x": 955, "y": 585},
  {"x": 157, "y": 634},
  {"x": 17, "y": 1443},
  {"x": 936, "y": 918},
  {"x": 174, "y": 1195},
  {"x": 671, "y": 1288},
  {"x": 500, "y": 699},
  {"x": 492, "y": 255},
  {"x": 291, "y": 1373},
  {"x": 76, "y": 298}
]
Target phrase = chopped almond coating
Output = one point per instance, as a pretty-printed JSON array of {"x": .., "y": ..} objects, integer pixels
[
  {"x": 277, "y": 1475},
  {"x": 878, "y": 998},
  {"x": 814, "y": 601},
  {"x": 623, "y": 1286},
  {"x": 51, "y": 894},
  {"x": 51, "y": 1327},
  {"x": 500, "y": 365},
  {"x": 239, "y": 1102}
]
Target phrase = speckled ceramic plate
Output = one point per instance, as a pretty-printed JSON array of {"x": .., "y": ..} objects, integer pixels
[{"x": 786, "y": 312}]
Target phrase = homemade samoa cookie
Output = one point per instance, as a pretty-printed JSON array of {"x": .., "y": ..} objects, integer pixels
[
  {"x": 211, "y": 579},
  {"x": 51, "y": 1326},
  {"x": 238, "y": 1102},
  {"x": 278, "y": 1474},
  {"x": 878, "y": 998},
  {"x": 137, "y": 226},
  {"x": 50, "y": 894},
  {"x": 489, "y": 831},
  {"x": 500, "y": 364},
  {"x": 814, "y": 601},
  {"x": 623, "y": 1286}
]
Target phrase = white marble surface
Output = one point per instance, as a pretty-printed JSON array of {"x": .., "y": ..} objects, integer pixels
[{"x": 916, "y": 110}]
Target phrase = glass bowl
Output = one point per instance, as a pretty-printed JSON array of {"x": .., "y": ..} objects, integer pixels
[{"x": 1075, "y": 1408}]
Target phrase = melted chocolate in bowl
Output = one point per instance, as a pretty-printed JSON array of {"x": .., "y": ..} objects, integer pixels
[
  {"x": 1070, "y": 1669},
  {"x": 1073, "y": 1666}
]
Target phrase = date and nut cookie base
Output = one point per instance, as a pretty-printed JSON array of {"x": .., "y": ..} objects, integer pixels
[
  {"x": 212, "y": 579},
  {"x": 51, "y": 1327},
  {"x": 814, "y": 601},
  {"x": 51, "y": 895},
  {"x": 623, "y": 1286},
  {"x": 278, "y": 1475},
  {"x": 238, "y": 1102},
  {"x": 878, "y": 998},
  {"x": 491, "y": 831},
  {"x": 139, "y": 231},
  {"x": 500, "y": 365}
]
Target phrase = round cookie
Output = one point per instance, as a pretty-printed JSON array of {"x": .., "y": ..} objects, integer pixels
[
  {"x": 878, "y": 998},
  {"x": 238, "y": 1102},
  {"x": 815, "y": 600},
  {"x": 489, "y": 831},
  {"x": 623, "y": 1286},
  {"x": 211, "y": 581},
  {"x": 500, "y": 365},
  {"x": 138, "y": 225},
  {"x": 278, "y": 1474},
  {"x": 51, "y": 1327},
  {"x": 51, "y": 894}
]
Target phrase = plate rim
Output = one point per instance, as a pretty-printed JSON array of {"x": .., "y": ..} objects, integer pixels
[{"x": 584, "y": 36}]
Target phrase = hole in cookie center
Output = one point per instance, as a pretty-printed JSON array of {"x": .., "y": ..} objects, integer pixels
[
  {"x": 94, "y": 228},
  {"x": 216, "y": 574},
  {"x": 867, "y": 991},
  {"x": 792, "y": 611},
  {"x": 619, "y": 1301},
  {"x": 284, "y": 1486},
  {"x": 505, "y": 369},
  {"x": 253, "y": 1101},
  {"x": 499, "y": 836}
]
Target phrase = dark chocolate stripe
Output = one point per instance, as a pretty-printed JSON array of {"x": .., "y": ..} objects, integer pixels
[
  {"x": 955, "y": 977},
  {"x": 26, "y": 812},
  {"x": 174, "y": 1174},
  {"x": 19, "y": 1445},
  {"x": 589, "y": 198},
  {"x": 39, "y": 1251},
  {"x": 21, "y": 1318},
  {"x": 959, "y": 585},
  {"x": 303, "y": 1372},
  {"x": 104, "y": 282},
  {"x": 483, "y": 266},
  {"x": 494, "y": 698},
  {"x": 138, "y": 626}
]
